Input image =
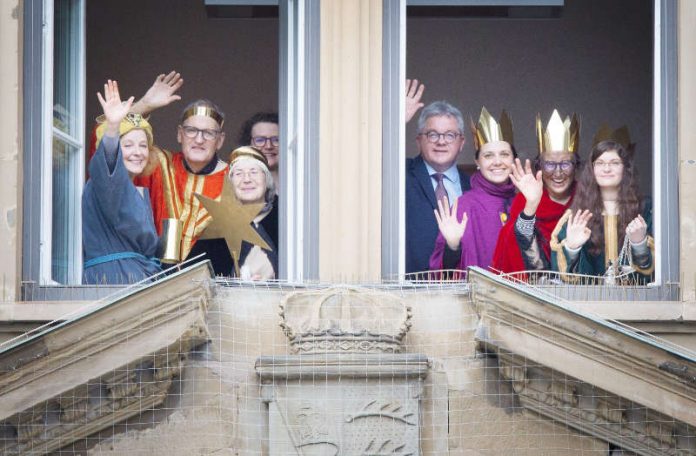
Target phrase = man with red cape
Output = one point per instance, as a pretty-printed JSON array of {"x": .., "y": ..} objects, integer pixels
[{"x": 543, "y": 198}]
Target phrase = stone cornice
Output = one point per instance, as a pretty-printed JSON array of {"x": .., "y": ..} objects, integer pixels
[
  {"x": 350, "y": 365},
  {"x": 521, "y": 323},
  {"x": 110, "y": 362}
]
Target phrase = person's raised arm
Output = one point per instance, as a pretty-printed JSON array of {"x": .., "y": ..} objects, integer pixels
[
  {"x": 114, "y": 109},
  {"x": 414, "y": 93},
  {"x": 577, "y": 231},
  {"x": 451, "y": 229},
  {"x": 160, "y": 94},
  {"x": 529, "y": 184}
]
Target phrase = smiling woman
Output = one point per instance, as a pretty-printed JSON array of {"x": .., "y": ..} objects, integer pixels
[
  {"x": 544, "y": 195},
  {"x": 469, "y": 230},
  {"x": 253, "y": 184},
  {"x": 607, "y": 230},
  {"x": 118, "y": 231}
]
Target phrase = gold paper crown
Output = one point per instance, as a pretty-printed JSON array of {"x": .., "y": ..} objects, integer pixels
[
  {"x": 206, "y": 111},
  {"x": 248, "y": 152},
  {"x": 488, "y": 130},
  {"x": 560, "y": 135},
  {"x": 620, "y": 135},
  {"x": 132, "y": 121}
]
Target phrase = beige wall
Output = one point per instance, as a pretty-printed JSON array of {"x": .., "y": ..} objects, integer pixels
[
  {"x": 687, "y": 152},
  {"x": 10, "y": 134},
  {"x": 350, "y": 140}
]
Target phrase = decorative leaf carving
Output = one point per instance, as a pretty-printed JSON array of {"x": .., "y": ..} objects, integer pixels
[{"x": 384, "y": 409}]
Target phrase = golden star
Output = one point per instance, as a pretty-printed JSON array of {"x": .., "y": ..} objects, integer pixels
[{"x": 231, "y": 220}]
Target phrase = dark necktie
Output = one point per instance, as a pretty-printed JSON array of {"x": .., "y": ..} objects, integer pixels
[{"x": 440, "y": 190}]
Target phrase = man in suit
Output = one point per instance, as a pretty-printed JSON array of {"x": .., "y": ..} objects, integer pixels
[{"x": 430, "y": 176}]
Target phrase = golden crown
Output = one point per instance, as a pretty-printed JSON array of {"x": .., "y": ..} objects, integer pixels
[
  {"x": 488, "y": 129},
  {"x": 206, "y": 111},
  {"x": 248, "y": 152},
  {"x": 605, "y": 133},
  {"x": 560, "y": 135}
]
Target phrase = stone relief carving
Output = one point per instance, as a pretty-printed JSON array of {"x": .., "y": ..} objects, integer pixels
[
  {"x": 124, "y": 391},
  {"x": 311, "y": 428},
  {"x": 392, "y": 409},
  {"x": 348, "y": 390},
  {"x": 385, "y": 448},
  {"x": 344, "y": 319},
  {"x": 629, "y": 425}
]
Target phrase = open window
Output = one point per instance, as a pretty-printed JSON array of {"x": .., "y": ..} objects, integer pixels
[
  {"x": 609, "y": 62},
  {"x": 247, "y": 56}
]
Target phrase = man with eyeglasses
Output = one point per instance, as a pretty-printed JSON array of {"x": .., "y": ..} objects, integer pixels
[
  {"x": 261, "y": 132},
  {"x": 196, "y": 169},
  {"x": 431, "y": 176}
]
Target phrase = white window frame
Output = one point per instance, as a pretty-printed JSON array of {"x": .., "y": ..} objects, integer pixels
[
  {"x": 49, "y": 133},
  {"x": 665, "y": 156},
  {"x": 299, "y": 109}
]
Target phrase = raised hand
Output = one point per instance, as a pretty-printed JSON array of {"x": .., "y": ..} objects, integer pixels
[
  {"x": 529, "y": 184},
  {"x": 160, "y": 94},
  {"x": 451, "y": 229},
  {"x": 414, "y": 92},
  {"x": 114, "y": 109},
  {"x": 577, "y": 232},
  {"x": 637, "y": 230}
]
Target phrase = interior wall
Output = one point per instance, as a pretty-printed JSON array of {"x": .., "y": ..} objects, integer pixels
[
  {"x": 596, "y": 59},
  {"x": 233, "y": 62}
]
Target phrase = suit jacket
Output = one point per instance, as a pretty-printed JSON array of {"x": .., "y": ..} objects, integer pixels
[{"x": 421, "y": 226}]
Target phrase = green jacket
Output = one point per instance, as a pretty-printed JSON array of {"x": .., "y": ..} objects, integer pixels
[{"x": 595, "y": 265}]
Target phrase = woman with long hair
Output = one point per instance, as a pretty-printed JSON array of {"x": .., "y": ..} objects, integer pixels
[{"x": 606, "y": 230}]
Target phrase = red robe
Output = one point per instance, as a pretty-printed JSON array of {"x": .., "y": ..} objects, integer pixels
[
  {"x": 172, "y": 189},
  {"x": 508, "y": 257}
]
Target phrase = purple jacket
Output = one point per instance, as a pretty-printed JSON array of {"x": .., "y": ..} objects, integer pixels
[{"x": 487, "y": 207}]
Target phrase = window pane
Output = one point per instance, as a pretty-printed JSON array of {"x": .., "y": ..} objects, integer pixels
[
  {"x": 66, "y": 66},
  {"x": 65, "y": 204}
]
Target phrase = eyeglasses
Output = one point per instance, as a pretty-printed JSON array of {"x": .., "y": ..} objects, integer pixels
[
  {"x": 253, "y": 173},
  {"x": 550, "y": 167},
  {"x": 434, "y": 137},
  {"x": 614, "y": 164},
  {"x": 192, "y": 132},
  {"x": 260, "y": 141}
]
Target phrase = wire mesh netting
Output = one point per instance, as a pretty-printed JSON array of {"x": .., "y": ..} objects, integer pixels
[{"x": 190, "y": 365}]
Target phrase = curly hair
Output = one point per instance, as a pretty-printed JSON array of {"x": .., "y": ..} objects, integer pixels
[
  {"x": 589, "y": 195},
  {"x": 245, "y": 132}
]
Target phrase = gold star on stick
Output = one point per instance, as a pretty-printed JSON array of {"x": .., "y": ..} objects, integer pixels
[{"x": 231, "y": 220}]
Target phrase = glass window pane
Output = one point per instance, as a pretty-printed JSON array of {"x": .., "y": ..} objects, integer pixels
[
  {"x": 66, "y": 66},
  {"x": 66, "y": 206}
]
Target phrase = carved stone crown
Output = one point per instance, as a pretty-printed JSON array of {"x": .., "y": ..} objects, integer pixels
[{"x": 344, "y": 320}]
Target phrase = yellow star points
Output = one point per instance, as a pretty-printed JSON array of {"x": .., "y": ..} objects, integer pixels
[{"x": 231, "y": 220}]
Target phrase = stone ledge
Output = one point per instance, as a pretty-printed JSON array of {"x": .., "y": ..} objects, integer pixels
[
  {"x": 103, "y": 366},
  {"x": 527, "y": 329},
  {"x": 353, "y": 365}
]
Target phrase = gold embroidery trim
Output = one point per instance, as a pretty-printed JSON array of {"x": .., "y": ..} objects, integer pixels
[
  {"x": 611, "y": 240},
  {"x": 171, "y": 193},
  {"x": 557, "y": 247},
  {"x": 194, "y": 184}
]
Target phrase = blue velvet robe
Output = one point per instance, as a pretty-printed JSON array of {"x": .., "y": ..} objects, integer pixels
[{"x": 116, "y": 218}]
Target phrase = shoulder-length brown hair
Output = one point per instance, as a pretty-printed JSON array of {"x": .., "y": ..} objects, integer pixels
[{"x": 588, "y": 195}]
